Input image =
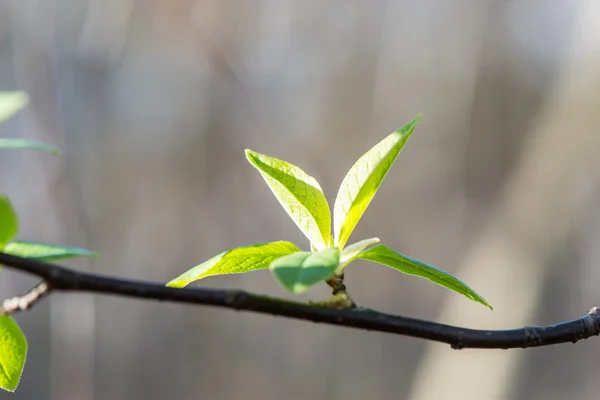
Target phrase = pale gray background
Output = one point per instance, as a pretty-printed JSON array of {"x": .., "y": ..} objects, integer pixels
[{"x": 153, "y": 103}]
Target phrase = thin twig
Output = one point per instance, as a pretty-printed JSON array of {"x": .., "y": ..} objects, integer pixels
[
  {"x": 65, "y": 279},
  {"x": 22, "y": 303}
]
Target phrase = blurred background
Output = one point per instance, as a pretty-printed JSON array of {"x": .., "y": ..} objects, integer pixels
[{"x": 152, "y": 104}]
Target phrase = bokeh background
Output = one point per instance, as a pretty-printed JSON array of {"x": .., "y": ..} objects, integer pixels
[{"x": 153, "y": 102}]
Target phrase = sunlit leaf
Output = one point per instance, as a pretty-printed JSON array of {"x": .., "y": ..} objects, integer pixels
[
  {"x": 384, "y": 255},
  {"x": 362, "y": 181},
  {"x": 235, "y": 261},
  {"x": 45, "y": 252},
  {"x": 11, "y": 103},
  {"x": 27, "y": 145},
  {"x": 13, "y": 352},
  {"x": 9, "y": 225},
  {"x": 299, "y": 194},
  {"x": 352, "y": 251},
  {"x": 299, "y": 271}
]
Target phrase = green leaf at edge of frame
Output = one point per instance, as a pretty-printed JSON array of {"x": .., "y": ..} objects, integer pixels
[
  {"x": 11, "y": 103},
  {"x": 13, "y": 353},
  {"x": 45, "y": 252},
  {"x": 28, "y": 145},
  {"x": 9, "y": 224}
]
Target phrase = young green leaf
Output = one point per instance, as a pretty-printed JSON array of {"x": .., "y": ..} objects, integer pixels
[
  {"x": 10, "y": 103},
  {"x": 13, "y": 352},
  {"x": 45, "y": 252},
  {"x": 235, "y": 261},
  {"x": 350, "y": 253},
  {"x": 27, "y": 145},
  {"x": 299, "y": 194},
  {"x": 9, "y": 225},
  {"x": 299, "y": 271},
  {"x": 384, "y": 255},
  {"x": 364, "y": 178}
]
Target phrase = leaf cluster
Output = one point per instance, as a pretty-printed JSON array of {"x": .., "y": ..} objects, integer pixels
[{"x": 302, "y": 198}]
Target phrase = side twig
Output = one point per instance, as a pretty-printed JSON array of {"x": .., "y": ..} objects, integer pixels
[
  {"x": 22, "y": 303},
  {"x": 66, "y": 279}
]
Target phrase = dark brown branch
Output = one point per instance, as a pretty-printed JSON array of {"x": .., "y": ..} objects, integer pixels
[{"x": 65, "y": 279}]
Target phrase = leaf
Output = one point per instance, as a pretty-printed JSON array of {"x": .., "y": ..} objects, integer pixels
[
  {"x": 299, "y": 271},
  {"x": 235, "y": 261},
  {"x": 364, "y": 178},
  {"x": 384, "y": 255},
  {"x": 45, "y": 252},
  {"x": 350, "y": 253},
  {"x": 299, "y": 194},
  {"x": 27, "y": 145},
  {"x": 13, "y": 352},
  {"x": 10, "y": 103},
  {"x": 9, "y": 225}
]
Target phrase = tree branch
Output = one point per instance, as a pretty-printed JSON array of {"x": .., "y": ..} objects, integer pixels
[{"x": 64, "y": 279}]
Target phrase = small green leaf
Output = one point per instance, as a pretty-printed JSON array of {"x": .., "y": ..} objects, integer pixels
[
  {"x": 384, "y": 255},
  {"x": 299, "y": 271},
  {"x": 9, "y": 225},
  {"x": 350, "y": 253},
  {"x": 13, "y": 352},
  {"x": 45, "y": 252},
  {"x": 10, "y": 103},
  {"x": 299, "y": 194},
  {"x": 362, "y": 181},
  {"x": 27, "y": 145},
  {"x": 235, "y": 261}
]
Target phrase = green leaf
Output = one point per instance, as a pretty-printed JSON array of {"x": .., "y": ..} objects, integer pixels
[
  {"x": 299, "y": 271},
  {"x": 45, "y": 252},
  {"x": 9, "y": 225},
  {"x": 384, "y": 255},
  {"x": 13, "y": 352},
  {"x": 27, "y": 145},
  {"x": 364, "y": 178},
  {"x": 299, "y": 194},
  {"x": 10, "y": 103},
  {"x": 350, "y": 253},
  {"x": 235, "y": 261}
]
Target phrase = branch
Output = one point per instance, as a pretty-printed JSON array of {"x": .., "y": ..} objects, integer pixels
[{"x": 65, "y": 279}]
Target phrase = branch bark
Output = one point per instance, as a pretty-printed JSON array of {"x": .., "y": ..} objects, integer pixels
[{"x": 61, "y": 278}]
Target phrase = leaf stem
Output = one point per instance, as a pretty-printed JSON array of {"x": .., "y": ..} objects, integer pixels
[{"x": 340, "y": 291}]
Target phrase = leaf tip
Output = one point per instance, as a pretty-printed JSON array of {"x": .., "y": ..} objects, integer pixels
[
  {"x": 249, "y": 153},
  {"x": 251, "y": 156},
  {"x": 412, "y": 124},
  {"x": 175, "y": 283}
]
